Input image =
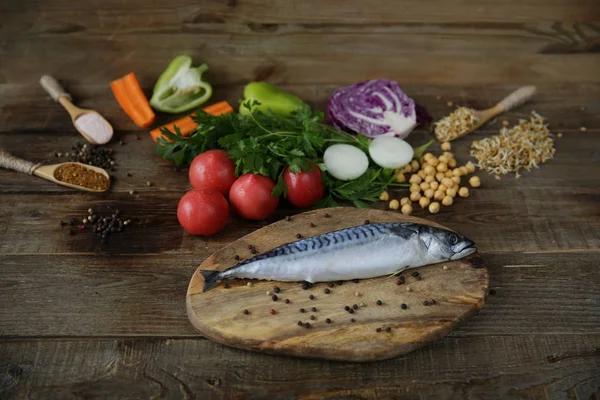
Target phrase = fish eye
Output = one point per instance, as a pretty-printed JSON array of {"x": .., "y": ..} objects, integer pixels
[{"x": 453, "y": 239}]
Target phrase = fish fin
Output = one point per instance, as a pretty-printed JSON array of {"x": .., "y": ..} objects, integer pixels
[{"x": 211, "y": 279}]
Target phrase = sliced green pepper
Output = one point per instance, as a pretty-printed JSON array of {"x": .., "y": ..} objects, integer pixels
[
  {"x": 180, "y": 87},
  {"x": 270, "y": 97}
]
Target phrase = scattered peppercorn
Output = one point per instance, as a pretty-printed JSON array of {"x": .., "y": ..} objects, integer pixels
[
  {"x": 355, "y": 306},
  {"x": 312, "y": 297},
  {"x": 378, "y": 329},
  {"x": 347, "y": 308},
  {"x": 236, "y": 257},
  {"x": 307, "y": 325},
  {"x": 327, "y": 291},
  {"x": 312, "y": 317},
  {"x": 351, "y": 311},
  {"x": 388, "y": 329},
  {"x": 250, "y": 247},
  {"x": 246, "y": 312},
  {"x": 403, "y": 306},
  {"x": 352, "y": 320},
  {"x": 276, "y": 289},
  {"x": 91, "y": 155},
  {"x": 253, "y": 251},
  {"x": 314, "y": 309},
  {"x": 272, "y": 311},
  {"x": 330, "y": 284},
  {"x": 367, "y": 222},
  {"x": 298, "y": 236},
  {"x": 302, "y": 310},
  {"x": 379, "y": 302},
  {"x": 328, "y": 320},
  {"x": 300, "y": 323},
  {"x": 433, "y": 301},
  {"x": 274, "y": 297},
  {"x": 415, "y": 274},
  {"x": 425, "y": 303},
  {"x": 287, "y": 301}
]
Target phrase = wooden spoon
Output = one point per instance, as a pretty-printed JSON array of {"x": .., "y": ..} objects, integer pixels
[
  {"x": 511, "y": 101},
  {"x": 56, "y": 91},
  {"x": 47, "y": 172}
]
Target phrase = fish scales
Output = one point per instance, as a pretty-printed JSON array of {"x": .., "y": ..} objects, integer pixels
[{"x": 358, "y": 252}]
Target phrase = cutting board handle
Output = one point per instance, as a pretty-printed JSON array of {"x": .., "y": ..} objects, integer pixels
[
  {"x": 9, "y": 161},
  {"x": 54, "y": 89}
]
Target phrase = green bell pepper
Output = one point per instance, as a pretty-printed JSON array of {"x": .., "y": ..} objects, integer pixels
[
  {"x": 270, "y": 97},
  {"x": 180, "y": 87}
]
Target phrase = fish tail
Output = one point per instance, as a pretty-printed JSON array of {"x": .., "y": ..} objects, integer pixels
[{"x": 211, "y": 279}]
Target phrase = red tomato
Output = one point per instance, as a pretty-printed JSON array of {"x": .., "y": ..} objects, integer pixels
[
  {"x": 304, "y": 188},
  {"x": 203, "y": 212},
  {"x": 212, "y": 169},
  {"x": 250, "y": 197}
]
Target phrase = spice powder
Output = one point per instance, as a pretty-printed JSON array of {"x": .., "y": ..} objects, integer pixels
[{"x": 76, "y": 174}]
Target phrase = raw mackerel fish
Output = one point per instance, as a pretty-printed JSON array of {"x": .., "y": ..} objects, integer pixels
[{"x": 360, "y": 252}]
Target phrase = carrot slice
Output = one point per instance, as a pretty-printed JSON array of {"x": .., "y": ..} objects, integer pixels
[
  {"x": 132, "y": 100},
  {"x": 187, "y": 125}
]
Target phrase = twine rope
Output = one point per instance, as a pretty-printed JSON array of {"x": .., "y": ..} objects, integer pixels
[{"x": 9, "y": 161}]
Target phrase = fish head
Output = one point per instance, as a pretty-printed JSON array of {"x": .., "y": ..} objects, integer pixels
[{"x": 450, "y": 245}]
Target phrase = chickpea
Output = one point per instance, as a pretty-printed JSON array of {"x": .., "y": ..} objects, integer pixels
[
  {"x": 449, "y": 155},
  {"x": 401, "y": 178},
  {"x": 463, "y": 192},
  {"x": 452, "y": 163},
  {"x": 474, "y": 181},
  {"x": 384, "y": 196},
  {"x": 457, "y": 172},
  {"x": 448, "y": 174},
  {"x": 415, "y": 178},
  {"x": 456, "y": 179},
  {"x": 439, "y": 176},
  {"x": 432, "y": 161},
  {"x": 429, "y": 179},
  {"x": 414, "y": 164},
  {"x": 447, "y": 201},
  {"x": 464, "y": 170},
  {"x": 424, "y": 202},
  {"x": 434, "y": 207},
  {"x": 451, "y": 192},
  {"x": 422, "y": 160},
  {"x": 424, "y": 186},
  {"x": 434, "y": 185},
  {"x": 394, "y": 205},
  {"x": 422, "y": 174},
  {"x": 406, "y": 209},
  {"x": 429, "y": 170},
  {"x": 448, "y": 182},
  {"x": 442, "y": 188},
  {"x": 442, "y": 167},
  {"x": 428, "y": 193},
  {"x": 439, "y": 195},
  {"x": 446, "y": 146},
  {"x": 427, "y": 156},
  {"x": 443, "y": 159},
  {"x": 404, "y": 200},
  {"x": 407, "y": 169},
  {"x": 470, "y": 167},
  {"x": 414, "y": 188},
  {"x": 415, "y": 196}
]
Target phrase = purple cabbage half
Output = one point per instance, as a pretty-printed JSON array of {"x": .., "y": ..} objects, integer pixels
[{"x": 374, "y": 108}]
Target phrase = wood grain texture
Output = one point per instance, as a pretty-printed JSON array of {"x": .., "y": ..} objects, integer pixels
[
  {"x": 93, "y": 295},
  {"x": 459, "y": 292},
  {"x": 530, "y": 367}
]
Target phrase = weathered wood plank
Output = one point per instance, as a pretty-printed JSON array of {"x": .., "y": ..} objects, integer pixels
[
  {"x": 101, "y": 295},
  {"x": 497, "y": 367},
  {"x": 500, "y": 218},
  {"x": 139, "y": 12}
]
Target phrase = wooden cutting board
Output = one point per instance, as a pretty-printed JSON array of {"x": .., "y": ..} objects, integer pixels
[{"x": 378, "y": 331}]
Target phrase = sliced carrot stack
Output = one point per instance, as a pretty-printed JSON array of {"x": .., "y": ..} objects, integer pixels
[
  {"x": 132, "y": 100},
  {"x": 187, "y": 125}
]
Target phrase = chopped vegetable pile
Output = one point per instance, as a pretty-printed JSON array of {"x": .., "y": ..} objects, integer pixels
[
  {"x": 265, "y": 143},
  {"x": 525, "y": 145}
]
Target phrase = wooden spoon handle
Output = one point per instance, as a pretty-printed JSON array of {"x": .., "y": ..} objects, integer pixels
[
  {"x": 54, "y": 89},
  {"x": 516, "y": 98},
  {"x": 9, "y": 161}
]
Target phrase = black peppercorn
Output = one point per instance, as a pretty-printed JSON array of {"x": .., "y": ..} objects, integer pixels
[
  {"x": 328, "y": 320},
  {"x": 274, "y": 297},
  {"x": 307, "y": 325},
  {"x": 378, "y": 329},
  {"x": 403, "y": 306},
  {"x": 312, "y": 297},
  {"x": 425, "y": 303},
  {"x": 312, "y": 317},
  {"x": 287, "y": 301},
  {"x": 351, "y": 311},
  {"x": 352, "y": 320},
  {"x": 236, "y": 257},
  {"x": 327, "y": 291},
  {"x": 415, "y": 273},
  {"x": 253, "y": 251},
  {"x": 314, "y": 309},
  {"x": 379, "y": 302},
  {"x": 388, "y": 329},
  {"x": 250, "y": 247},
  {"x": 246, "y": 312},
  {"x": 355, "y": 306},
  {"x": 298, "y": 236},
  {"x": 433, "y": 301},
  {"x": 300, "y": 323},
  {"x": 330, "y": 284},
  {"x": 276, "y": 289},
  {"x": 347, "y": 308},
  {"x": 302, "y": 310},
  {"x": 367, "y": 222}
]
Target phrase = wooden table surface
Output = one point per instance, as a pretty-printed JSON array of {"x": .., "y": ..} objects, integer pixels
[{"x": 83, "y": 320}]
